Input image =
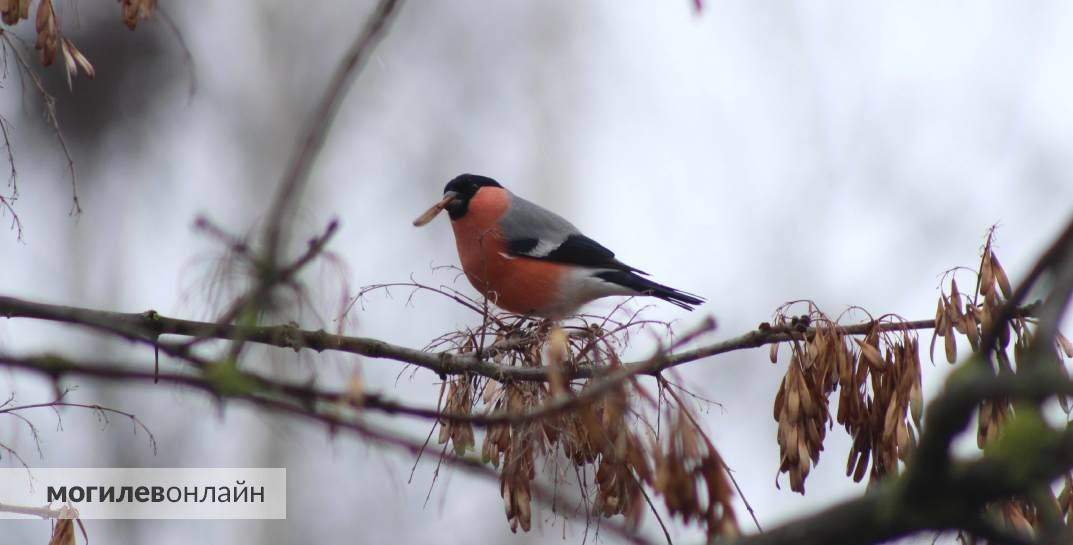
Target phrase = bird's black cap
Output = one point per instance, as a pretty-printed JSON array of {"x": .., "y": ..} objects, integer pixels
[
  {"x": 468, "y": 184},
  {"x": 465, "y": 186}
]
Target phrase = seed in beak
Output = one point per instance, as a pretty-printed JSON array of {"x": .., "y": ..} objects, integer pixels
[{"x": 431, "y": 213}]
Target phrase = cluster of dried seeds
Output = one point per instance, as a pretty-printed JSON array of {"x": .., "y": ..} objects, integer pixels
[
  {"x": 878, "y": 376},
  {"x": 1065, "y": 498},
  {"x": 692, "y": 478},
  {"x": 623, "y": 461},
  {"x": 12, "y": 11},
  {"x": 513, "y": 449},
  {"x": 801, "y": 408},
  {"x": 599, "y": 438},
  {"x": 50, "y": 39},
  {"x": 879, "y": 398},
  {"x": 136, "y": 10},
  {"x": 1018, "y": 517},
  {"x": 885, "y": 423},
  {"x": 459, "y": 401},
  {"x": 972, "y": 315},
  {"x": 48, "y": 34}
]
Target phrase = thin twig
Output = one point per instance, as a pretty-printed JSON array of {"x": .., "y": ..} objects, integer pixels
[{"x": 50, "y": 116}]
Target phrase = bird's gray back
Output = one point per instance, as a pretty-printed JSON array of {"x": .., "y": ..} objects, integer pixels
[{"x": 526, "y": 220}]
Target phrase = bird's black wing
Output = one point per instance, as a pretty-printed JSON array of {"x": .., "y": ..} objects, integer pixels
[
  {"x": 575, "y": 249},
  {"x": 533, "y": 232}
]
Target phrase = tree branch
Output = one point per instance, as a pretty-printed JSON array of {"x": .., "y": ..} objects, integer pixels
[
  {"x": 147, "y": 326},
  {"x": 939, "y": 493},
  {"x": 952, "y": 500}
]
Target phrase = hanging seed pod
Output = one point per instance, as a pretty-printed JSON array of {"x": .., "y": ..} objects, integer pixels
[
  {"x": 987, "y": 275},
  {"x": 871, "y": 354},
  {"x": 491, "y": 388},
  {"x": 558, "y": 355},
  {"x": 63, "y": 532},
  {"x": 950, "y": 345},
  {"x": 136, "y": 10},
  {"x": 1064, "y": 344},
  {"x": 971, "y": 331},
  {"x": 1000, "y": 276},
  {"x": 916, "y": 404},
  {"x": 48, "y": 34},
  {"x": 14, "y": 10},
  {"x": 955, "y": 298}
]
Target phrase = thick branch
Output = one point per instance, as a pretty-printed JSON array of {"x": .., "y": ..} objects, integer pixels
[
  {"x": 952, "y": 500},
  {"x": 937, "y": 492}
]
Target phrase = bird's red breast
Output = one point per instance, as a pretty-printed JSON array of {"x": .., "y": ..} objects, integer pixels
[{"x": 516, "y": 284}]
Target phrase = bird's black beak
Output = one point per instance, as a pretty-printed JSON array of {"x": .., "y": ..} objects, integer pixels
[{"x": 431, "y": 213}]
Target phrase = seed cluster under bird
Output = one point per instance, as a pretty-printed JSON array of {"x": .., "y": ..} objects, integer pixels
[
  {"x": 692, "y": 476},
  {"x": 606, "y": 442}
]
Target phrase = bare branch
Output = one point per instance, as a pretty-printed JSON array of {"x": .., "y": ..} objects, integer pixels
[
  {"x": 938, "y": 492},
  {"x": 316, "y": 132},
  {"x": 50, "y": 116},
  {"x": 150, "y": 325}
]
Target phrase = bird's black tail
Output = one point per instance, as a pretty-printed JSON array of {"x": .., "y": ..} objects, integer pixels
[{"x": 645, "y": 286}]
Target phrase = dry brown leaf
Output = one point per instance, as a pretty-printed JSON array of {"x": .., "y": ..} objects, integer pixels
[
  {"x": 940, "y": 314},
  {"x": 903, "y": 437},
  {"x": 48, "y": 36},
  {"x": 76, "y": 61},
  {"x": 916, "y": 404},
  {"x": 1016, "y": 518},
  {"x": 63, "y": 533},
  {"x": 491, "y": 388},
  {"x": 14, "y": 10},
  {"x": 955, "y": 296},
  {"x": 862, "y": 466},
  {"x": 793, "y": 401},
  {"x": 890, "y": 421},
  {"x": 355, "y": 391},
  {"x": 871, "y": 354},
  {"x": 558, "y": 354},
  {"x": 136, "y": 10},
  {"x": 951, "y": 345},
  {"x": 987, "y": 275},
  {"x": 1067, "y": 347},
  {"x": 968, "y": 323},
  {"x": 1003, "y": 280},
  {"x": 780, "y": 399}
]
